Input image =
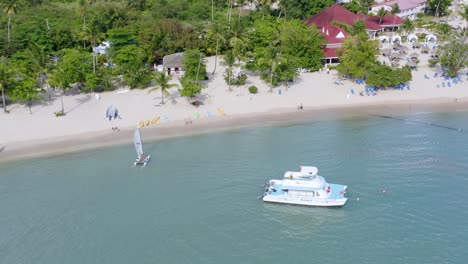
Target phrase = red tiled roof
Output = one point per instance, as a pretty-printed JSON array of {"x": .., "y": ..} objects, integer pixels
[
  {"x": 337, "y": 13},
  {"x": 333, "y": 34},
  {"x": 330, "y": 52},
  {"x": 388, "y": 20}
]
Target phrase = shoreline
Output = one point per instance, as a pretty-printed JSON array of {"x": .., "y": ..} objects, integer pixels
[{"x": 84, "y": 141}]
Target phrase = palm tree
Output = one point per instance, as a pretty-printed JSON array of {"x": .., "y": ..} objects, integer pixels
[
  {"x": 217, "y": 31},
  {"x": 395, "y": 10},
  {"x": 229, "y": 60},
  {"x": 40, "y": 63},
  {"x": 444, "y": 30},
  {"x": 265, "y": 5},
  {"x": 464, "y": 14},
  {"x": 237, "y": 40},
  {"x": 162, "y": 83},
  {"x": 6, "y": 77},
  {"x": 408, "y": 26},
  {"x": 381, "y": 14},
  {"x": 60, "y": 81},
  {"x": 10, "y": 7},
  {"x": 95, "y": 37}
]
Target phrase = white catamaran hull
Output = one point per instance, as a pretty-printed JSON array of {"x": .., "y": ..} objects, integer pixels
[
  {"x": 142, "y": 162},
  {"x": 285, "y": 199}
]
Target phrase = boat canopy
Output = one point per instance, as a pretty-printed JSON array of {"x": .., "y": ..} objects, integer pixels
[
  {"x": 314, "y": 184},
  {"x": 308, "y": 170}
]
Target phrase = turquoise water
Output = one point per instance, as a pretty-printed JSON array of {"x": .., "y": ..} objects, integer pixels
[{"x": 196, "y": 201}]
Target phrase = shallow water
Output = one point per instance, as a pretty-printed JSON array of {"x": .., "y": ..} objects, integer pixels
[{"x": 196, "y": 201}]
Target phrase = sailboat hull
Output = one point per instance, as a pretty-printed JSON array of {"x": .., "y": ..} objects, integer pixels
[{"x": 143, "y": 163}]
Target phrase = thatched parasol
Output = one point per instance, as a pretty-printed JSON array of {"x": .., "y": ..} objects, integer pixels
[
  {"x": 411, "y": 63},
  {"x": 414, "y": 55},
  {"x": 404, "y": 48},
  {"x": 386, "y": 51},
  {"x": 425, "y": 49}
]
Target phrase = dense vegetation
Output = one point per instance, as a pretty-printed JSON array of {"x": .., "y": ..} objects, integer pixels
[{"x": 47, "y": 44}]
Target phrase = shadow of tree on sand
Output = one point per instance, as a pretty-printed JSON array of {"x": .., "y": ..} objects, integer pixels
[{"x": 80, "y": 101}]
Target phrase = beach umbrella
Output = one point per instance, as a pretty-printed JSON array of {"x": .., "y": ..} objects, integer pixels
[
  {"x": 386, "y": 51},
  {"x": 411, "y": 63},
  {"x": 425, "y": 49},
  {"x": 414, "y": 55}
]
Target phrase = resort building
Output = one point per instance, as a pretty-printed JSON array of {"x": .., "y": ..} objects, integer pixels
[
  {"x": 408, "y": 8},
  {"x": 335, "y": 35}
]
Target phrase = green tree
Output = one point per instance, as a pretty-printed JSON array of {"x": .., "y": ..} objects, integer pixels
[
  {"x": 10, "y": 7},
  {"x": 162, "y": 83},
  {"x": 444, "y": 30},
  {"x": 194, "y": 65},
  {"x": 384, "y": 76},
  {"x": 301, "y": 44},
  {"x": 302, "y": 9},
  {"x": 191, "y": 88},
  {"x": 216, "y": 33},
  {"x": 381, "y": 13},
  {"x": 229, "y": 61},
  {"x": 353, "y": 6},
  {"x": 454, "y": 56},
  {"x": 7, "y": 79},
  {"x": 60, "y": 80},
  {"x": 395, "y": 10},
  {"x": 408, "y": 26},
  {"x": 40, "y": 63},
  {"x": 357, "y": 56},
  {"x": 365, "y": 5},
  {"x": 76, "y": 64},
  {"x": 438, "y": 7},
  {"x": 27, "y": 91},
  {"x": 130, "y": 61}
]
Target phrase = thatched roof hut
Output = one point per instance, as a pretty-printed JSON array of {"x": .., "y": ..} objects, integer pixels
[{"x": 173, "y": 60}]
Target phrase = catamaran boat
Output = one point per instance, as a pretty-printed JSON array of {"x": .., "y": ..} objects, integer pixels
[
  {"x": 305, "y": 187},
  {"x": 141, "y": 159}
]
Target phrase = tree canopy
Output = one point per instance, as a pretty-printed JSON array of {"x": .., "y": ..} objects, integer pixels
[{"x": 359, "y": 56}]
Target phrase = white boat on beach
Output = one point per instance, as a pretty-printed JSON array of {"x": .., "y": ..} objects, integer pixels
[
  {"x": 141, "y": 158},
  {"x": 305, "y": 187}
]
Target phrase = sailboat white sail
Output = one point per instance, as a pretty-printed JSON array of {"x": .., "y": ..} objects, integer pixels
[
  {"x": 137, "y": 142},
  {"x": 141, "y": 158}
]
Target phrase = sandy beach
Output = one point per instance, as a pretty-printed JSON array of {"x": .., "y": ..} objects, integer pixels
[{"x": 85, "y": 126}]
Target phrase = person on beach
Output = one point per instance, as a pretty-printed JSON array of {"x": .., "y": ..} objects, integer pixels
[{"x": 300, "y": 107}]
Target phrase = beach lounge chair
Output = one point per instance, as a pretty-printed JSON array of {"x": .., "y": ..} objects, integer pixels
[
  {"x": 141, "y": 123},
  {"x": 448, "y": 84},
  {"x": 221, "y": 111},
  {"x": 425, "y": 76},
  {"x": 436, "y": 74},
  {"x": 208, "y": 113},
  {"x": 197, "y": 115},
  {"x": 166, "y": 118},
  {"x": 443, "y": 84},
  {"x": 352, "y": 91}
]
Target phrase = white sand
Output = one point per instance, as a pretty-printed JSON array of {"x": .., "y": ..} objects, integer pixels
[{"x": 85, "y": 116}]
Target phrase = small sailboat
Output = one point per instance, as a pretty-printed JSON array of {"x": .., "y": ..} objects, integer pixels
[{"x": 141, "y": 158}]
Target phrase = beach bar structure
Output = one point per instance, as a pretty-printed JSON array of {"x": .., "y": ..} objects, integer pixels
[{"x": 172, "y": 64}]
